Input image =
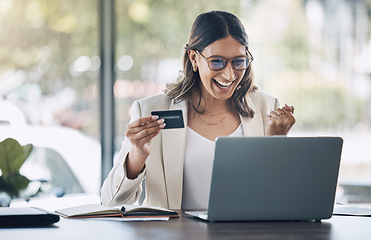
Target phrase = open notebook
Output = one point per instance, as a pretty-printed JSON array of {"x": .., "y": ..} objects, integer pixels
[{"x": 124, "y": 211}]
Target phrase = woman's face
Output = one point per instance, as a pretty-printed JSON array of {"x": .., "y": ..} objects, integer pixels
[{"x": 219, "y": 84}]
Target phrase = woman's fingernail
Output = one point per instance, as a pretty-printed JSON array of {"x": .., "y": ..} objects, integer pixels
[
  {"x": 155, "y": 117},
  {"x": 160, "y": 121},
  {"x": 163, "y": 125}
]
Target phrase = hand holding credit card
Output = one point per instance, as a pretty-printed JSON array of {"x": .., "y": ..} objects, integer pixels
[{"x": 173, "y": 118}]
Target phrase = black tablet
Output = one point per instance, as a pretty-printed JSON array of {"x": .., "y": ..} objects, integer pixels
[{"x": 25, "y": 217}]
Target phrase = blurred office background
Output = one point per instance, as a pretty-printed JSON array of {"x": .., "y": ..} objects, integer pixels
[{"x": 312, "y": 54}]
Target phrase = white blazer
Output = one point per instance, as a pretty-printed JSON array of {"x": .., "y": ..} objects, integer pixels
[{"x": 164, "y": 165}]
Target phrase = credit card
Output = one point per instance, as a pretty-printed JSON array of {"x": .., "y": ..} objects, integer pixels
[{"x": 173, "y": 118}]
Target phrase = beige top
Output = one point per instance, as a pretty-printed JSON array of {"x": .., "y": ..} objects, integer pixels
[{"x": 164, "y": 166}]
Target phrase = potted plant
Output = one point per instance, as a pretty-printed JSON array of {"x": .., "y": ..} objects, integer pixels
[{"x": 12, "y": 157}]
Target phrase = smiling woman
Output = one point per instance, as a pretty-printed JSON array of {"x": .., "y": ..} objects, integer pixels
[{"x": 217, "y": 97}]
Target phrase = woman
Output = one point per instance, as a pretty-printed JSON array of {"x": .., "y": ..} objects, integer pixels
[{"x": 218, "y": 98}]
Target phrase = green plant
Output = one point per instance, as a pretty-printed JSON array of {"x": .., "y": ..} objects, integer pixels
[{"x": 12, "y": 157}]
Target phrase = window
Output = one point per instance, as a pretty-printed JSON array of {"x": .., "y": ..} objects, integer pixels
[
  {"x": 49, "y": 80},
  {"x": 312, "y": 54}
]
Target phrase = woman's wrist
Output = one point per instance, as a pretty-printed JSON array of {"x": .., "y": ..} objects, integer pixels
[{"x": 134, "y": 164}]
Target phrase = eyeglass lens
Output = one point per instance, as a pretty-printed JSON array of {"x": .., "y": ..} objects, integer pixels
[{"x": 219, "y": 62}]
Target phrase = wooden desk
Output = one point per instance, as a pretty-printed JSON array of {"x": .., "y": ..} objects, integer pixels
[{"x": 185, "y": 227}]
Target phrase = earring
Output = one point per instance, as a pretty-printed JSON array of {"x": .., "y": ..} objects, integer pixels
[{"x": 194, "y": 68}]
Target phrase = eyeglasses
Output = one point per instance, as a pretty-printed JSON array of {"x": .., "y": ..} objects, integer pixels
[{"x": 217, "y": 63}]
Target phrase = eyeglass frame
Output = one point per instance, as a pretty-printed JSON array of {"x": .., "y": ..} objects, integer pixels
[{"x": 207, "y": 59}]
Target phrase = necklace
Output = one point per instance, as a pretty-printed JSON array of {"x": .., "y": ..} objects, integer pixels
[{"x": 213, "y": 115}]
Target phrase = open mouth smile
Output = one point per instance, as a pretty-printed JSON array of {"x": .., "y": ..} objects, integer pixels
[{"x": 223, "y": 84}]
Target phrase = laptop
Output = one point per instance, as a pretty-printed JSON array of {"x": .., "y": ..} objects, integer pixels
[{"x": 273, "y": 179}]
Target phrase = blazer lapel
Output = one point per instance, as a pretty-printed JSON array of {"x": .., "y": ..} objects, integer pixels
[
  {"x": 173, "y": 148},
  {"x": 253, "y": 126}
]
